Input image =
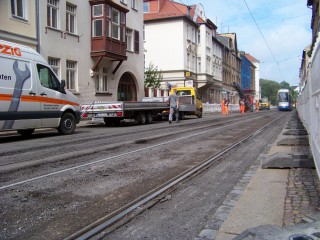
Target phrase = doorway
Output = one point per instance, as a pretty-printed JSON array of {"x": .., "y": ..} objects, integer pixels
[{"x": 127, "y": 90}]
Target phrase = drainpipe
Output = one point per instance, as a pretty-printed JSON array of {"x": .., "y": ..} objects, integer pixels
[{"x": 37, "y": 26}]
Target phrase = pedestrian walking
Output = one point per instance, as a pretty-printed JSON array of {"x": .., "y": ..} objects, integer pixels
[
  {"x": 174, "y": 106},
  {"x": 242, "y": 105}
]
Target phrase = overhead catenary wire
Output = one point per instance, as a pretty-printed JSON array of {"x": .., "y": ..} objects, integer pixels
[{"x": 270, "y": 50}]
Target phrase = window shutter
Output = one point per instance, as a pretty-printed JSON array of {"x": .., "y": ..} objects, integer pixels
[{"x": 136, "y": 41}]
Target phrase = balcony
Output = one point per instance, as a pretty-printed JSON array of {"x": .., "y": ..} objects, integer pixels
[{"x": 108, "y": 39}]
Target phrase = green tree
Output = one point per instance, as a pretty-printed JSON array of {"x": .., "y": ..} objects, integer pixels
[
  {"x": 284, "y": 84},
  {"x": 269, "y": 89},
  {"x": 152, "y": 76}
]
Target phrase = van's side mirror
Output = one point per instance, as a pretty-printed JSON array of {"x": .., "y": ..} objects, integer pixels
[{"x": 62, "y": 86}]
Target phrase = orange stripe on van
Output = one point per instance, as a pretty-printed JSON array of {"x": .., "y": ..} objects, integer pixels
[
  {"x": 5, "y": 97},
  {"x": 26, "y": 98}
]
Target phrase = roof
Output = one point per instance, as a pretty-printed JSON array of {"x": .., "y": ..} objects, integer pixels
[
  {"x": 170, "y": 9},
  {"x": 224, "y": 40},
  {"x": 251, "y": 58}
]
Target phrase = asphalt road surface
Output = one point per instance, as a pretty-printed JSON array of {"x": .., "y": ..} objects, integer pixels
[{"x": 52, "y": 185}]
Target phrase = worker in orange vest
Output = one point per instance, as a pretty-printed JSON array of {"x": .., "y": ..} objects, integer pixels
[
  {"x": 242, "y": 105},
  {"x": 257, "y": 106},
  {"x": 223, "y": 107},
  {"x": 226, "y": 105}
]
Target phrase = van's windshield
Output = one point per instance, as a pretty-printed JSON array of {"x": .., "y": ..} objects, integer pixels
[{"x": 183, "y": 92}]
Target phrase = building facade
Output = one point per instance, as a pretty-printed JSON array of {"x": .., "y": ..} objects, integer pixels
[
  {"x": 209, "y": 60},
  {"x": 96, "y": 46},
  {"x": 248, "y": 78},
  {"x": 179, "y": 41},
  {"x": 231, "y": 71},
  {"x": 175, "y": 52},
  {"x": 256, "y": 64},
  {"x": 19, "y": 23}
]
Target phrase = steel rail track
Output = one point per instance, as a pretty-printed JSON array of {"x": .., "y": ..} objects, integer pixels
[
  {"x": 109, "y": 135},
  {"x": 109, "y": 220},
  {"x": 119, "y": 155},
  {"x": 101, "y": 147}
]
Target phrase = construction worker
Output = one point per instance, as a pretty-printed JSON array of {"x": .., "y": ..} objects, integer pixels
[
  {"x": 257, "y": 106},
  {"x": 223, "y": 107},
  {"x": 242, "y": 105},
  {"x": 226, "y": 105}
]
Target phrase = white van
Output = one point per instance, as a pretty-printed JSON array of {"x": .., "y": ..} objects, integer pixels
[{"x": 31, "y": 96}]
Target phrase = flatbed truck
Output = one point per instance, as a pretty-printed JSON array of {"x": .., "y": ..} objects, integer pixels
[
  {"x": 114, "y": 112},
  {"x": 145, "y": 111}
]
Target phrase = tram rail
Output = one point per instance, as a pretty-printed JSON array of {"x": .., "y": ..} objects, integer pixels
[
  {"x": 102, "y": 226},
  {"x": 44, "y": 185},
  {"x": 100, "y": 143}
]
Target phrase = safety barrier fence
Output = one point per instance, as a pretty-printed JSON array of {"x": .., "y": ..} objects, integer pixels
[
  {"x": 308, "y": 105},
  {"x": 215, "y": 108}
]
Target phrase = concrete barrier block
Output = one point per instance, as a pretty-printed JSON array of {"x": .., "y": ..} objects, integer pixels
[
  {"x": 293, "y": 141},
  {"x": 288, "y": 160}
]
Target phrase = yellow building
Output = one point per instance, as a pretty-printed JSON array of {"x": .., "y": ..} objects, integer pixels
[{"x": 18, "y": 22}]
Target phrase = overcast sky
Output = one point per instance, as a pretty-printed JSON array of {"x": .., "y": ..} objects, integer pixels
[{"x": 285, "y": 26}]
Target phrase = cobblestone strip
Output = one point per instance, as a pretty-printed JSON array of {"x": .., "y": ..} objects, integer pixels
[{"x": 303, "y": 196}]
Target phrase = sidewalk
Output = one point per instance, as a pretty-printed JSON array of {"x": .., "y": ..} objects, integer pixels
[{"x": 277, "y": 203}]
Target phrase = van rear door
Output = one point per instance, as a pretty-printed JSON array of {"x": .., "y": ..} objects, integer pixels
[{"x": 19, "y": 108}]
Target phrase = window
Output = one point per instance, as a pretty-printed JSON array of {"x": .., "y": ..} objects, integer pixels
[
  {"x": 47, "y": 78},
  {"x": 199, "y": 37},
  {"x": 53, "y": 13},
  {"x": 199, "y": 64},
  {"x": 188, "y": 32},
  {"x": 136, "y": 41},
  {"x": 123, "y": 1},
  {"x": 115, "y": 24},
  {"x": 146, "y": 7},
  {"x": 71, "y": 75},
  {"x": 97, "y": 22},
  {"x": 194, "y": 64},
  {"x": 129, "y": 37},
  {"x": 208, "y": 64},
  {"x": 183, "y": 92},
  {"x": 208, "y": 39},
  {"x": 71, "y": 18},
  {"x": 55, "y": 65},
  {"x": 97, "y": 80},
  {"x": 123, "y": 22},
  {"x": 18, "y": 8},
  {"x": 97, "y": 10},
  {"x": 97, "y": 28},
  {"x": 134, "y": 4},
  {"x": 123, "y": 17},
  {"x": 194, "y": 35},
  {"x": 102, "y": 80}
]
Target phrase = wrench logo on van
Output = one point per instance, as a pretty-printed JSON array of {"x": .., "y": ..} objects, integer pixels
[
  {"x": 9, "y": 50},
  {"x": 21, "y": 77}
]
